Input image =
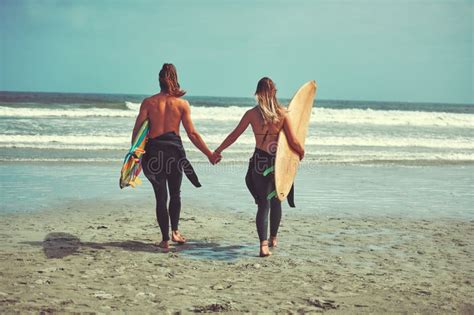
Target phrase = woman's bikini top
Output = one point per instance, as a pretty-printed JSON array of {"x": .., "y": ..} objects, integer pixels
[{"x": 265, "y": 135}]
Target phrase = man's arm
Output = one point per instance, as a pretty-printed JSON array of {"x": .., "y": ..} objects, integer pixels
[
  {"x": 291, "y": 137},
  {"x": 193, "y": 134},
  {"x": 142, "y": 116},
  {"x": 235, "y": 134}
]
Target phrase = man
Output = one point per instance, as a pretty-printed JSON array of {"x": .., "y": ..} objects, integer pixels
[{"x": 165, "y": 160}]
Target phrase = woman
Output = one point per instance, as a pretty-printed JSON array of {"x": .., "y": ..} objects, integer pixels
[
  {"x": 165, "y": 159},
  {"x": 266, "y": 119}
]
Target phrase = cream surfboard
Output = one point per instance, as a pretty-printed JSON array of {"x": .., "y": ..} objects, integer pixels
[{"x": 287, "y": 161}]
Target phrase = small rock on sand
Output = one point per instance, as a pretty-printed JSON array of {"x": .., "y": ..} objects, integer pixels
[
  {"x": 220, "y": 286},
  {"x": 144, "y": 295},
  {"x": 43, "y": 281},
  {"x": 217, "y": 287},
  {"x": 327, "y": 287},
  {"x": 323, "y": 304},
  {"x": 216, "y": 307},
  {"x": 103, "y": 296}
]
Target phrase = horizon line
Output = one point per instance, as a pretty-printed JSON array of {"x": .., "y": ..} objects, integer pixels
[{"x": 243, "y": 97}]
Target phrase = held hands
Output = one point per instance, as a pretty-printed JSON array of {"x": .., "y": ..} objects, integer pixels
[{"x": 215, "y": 157}]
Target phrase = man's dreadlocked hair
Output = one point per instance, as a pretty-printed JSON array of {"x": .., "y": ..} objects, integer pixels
[{"x": 169, "y": 80}]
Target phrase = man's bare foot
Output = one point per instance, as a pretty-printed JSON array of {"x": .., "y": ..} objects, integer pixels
[
  {"x": 273, "y": 241},
  {"x": 178, "y": 238},
  {"x": 264, "y": 251},
  {"x": 164, "y": 244}
]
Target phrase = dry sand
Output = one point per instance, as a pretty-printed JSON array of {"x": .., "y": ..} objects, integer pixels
[{"x": 99, "y": 256}]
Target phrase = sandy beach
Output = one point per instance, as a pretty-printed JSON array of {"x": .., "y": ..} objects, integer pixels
[
  {"x": 99, "y": 256},
  {"x": 378, "y": 93}
]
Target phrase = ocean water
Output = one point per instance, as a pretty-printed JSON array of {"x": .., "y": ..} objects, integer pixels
[
  {"x": 362, "y": 158},
  {"x": 97, "y": 128}
]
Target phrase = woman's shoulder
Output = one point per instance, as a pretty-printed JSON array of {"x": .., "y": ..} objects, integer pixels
[
  {"x": 252, "y": 111},
  {"x": 254, "y": 114}
]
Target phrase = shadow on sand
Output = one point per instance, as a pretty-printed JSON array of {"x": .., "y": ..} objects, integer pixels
[{"x": 61, "y": 244}]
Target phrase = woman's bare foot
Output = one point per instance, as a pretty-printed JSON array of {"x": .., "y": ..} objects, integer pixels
[
  {"x": 264, "y": 251},
  {"x": 164, "y": 244},
  {"x": 273, "y": 241},
  {"x": 178, "y": 238}
]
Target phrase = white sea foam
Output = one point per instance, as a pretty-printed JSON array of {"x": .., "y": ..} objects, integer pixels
[
  {"x": 104, "y": 142},
  {"x": 323, "y": 157},
  {"x": 61, "y": 112},
  {"x": 336, "y": 135},
  {"x": 133, "y": 106},
  {"x": 62, "y": 160},
  {"x": 234, "y": 114},
  {"x": 392, "y": 118}
]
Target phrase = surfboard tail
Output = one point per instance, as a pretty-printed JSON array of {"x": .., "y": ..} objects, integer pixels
[{"x": 132, "y": 167}]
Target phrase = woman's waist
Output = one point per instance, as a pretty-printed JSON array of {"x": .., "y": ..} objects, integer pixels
[
  {"x": 266, "y": 151},
  {"x": 262, "y": 158}
]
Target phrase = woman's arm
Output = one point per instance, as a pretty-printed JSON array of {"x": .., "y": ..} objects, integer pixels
[
  {"x": 291, "y": 137},
  {"x": 235, "y": 134}
]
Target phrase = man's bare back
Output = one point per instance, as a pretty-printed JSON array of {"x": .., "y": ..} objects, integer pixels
[{"x": 165, "y": 113}]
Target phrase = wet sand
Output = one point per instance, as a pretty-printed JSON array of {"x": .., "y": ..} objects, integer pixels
[{"x": 97, "y": 256}]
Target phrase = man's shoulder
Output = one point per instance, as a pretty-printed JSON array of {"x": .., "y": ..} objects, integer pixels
[
  {"x": 150, "y": 99},
  {"x": 153, "y": 99},
  {"x": 181, "y": 102},
  {"x": 160, "y": 98}
]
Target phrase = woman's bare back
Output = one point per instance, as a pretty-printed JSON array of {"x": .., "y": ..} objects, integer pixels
[{"x": 266, "y": 136}]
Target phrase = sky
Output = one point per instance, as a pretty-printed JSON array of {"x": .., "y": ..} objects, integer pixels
[{"x": 417, "y": 50}]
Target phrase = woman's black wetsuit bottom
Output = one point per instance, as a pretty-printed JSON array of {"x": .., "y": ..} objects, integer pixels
[
  {"x": 264, "y": 185},
  {"x": 160, "y": 165}
]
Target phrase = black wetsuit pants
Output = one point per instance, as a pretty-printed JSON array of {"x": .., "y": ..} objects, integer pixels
[
  {"x": 160, "y": 165},
  {"x": 264, "y": 185}
]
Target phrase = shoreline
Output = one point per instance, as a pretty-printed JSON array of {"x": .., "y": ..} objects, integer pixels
[
  {"x": 336, "y": 190},
  {"x": 99, "y": 256},
  {"x": 309, "y": 163}
]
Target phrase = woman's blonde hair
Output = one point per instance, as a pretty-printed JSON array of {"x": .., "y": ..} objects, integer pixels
[
  {"x": 168, "y": 78},
  {"x": 268, "y": 104}
]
